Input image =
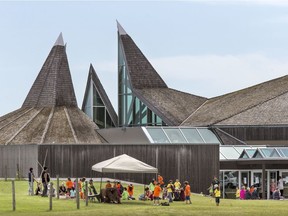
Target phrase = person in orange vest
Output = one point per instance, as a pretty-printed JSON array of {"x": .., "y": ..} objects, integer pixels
[
  {"x": 156, "y": 194},
  {"x": 130, "y": 190},
  {"x": 160, "y": 180}
]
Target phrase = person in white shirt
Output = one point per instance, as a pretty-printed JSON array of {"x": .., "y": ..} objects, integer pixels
[{"x": 281, "y": 185}]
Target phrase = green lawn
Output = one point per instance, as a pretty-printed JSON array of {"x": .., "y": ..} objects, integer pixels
[{"x": 28, "y": 205}]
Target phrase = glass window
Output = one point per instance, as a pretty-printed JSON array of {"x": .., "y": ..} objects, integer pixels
[
  {"x": 257, "y": 155},
  {"x": 208, "y": 135},
  {"x": 250, "y": 152},
  {"x": 229, "y": 152},
  {"x": 109, "y": 122},
  {"x": 266, "y": 151},
  {"x": 284, "y": 151},
  {"x": 97, "y": 101},
  {"x": 158, "y": 135},
  {"x": 275, "y": 154},
  {"x": 174, "y": 135},
  {"x": 99, "y": 116},
  {"x": 231, "y": 179},
  {"x": 192, "y": 135}
]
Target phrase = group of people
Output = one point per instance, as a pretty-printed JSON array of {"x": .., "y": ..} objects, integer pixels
[
  {"x": 171, "y": 191},
  {"x": 277, "y": 189},
  {"x": 66, "y": 190},
  {"x": 155, "y": 191},
  {"x": 247, "y": 193}
]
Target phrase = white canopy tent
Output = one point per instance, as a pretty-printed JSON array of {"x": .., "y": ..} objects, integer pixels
[{"x": 123, "y": 164}]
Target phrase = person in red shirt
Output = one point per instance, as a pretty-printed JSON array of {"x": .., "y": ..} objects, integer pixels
[
  {"x": 187, "y": 192},
  {"x": 156, "y": 194}
]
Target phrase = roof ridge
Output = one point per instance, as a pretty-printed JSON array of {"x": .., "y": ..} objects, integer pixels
[
  {"x": 250, "y": 107},
  {"x": 229, "y": 93},
  {"x": 194, "y": 112}
]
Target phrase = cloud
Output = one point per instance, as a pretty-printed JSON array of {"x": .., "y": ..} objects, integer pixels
[{"x": 214, "y": 75}]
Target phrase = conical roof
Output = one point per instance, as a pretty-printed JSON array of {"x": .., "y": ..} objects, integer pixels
[
  {"x": 49, "y": 114},
  {"x": 53, "y": 85},
  {"x": 141, "y": 72}
]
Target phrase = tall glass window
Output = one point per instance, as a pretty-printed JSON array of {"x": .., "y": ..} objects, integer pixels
[{"x": 131, "y": 110}]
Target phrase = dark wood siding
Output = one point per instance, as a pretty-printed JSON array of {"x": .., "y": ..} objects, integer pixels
[
  {"x": 194, "y": 163},
  {"x": 260, "y": 134}
]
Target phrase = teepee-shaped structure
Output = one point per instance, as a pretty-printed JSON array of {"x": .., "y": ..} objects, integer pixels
[{"x": 49, "y": 114}]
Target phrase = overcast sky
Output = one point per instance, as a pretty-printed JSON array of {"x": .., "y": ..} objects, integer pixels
[{"x": 206, "y": 48}]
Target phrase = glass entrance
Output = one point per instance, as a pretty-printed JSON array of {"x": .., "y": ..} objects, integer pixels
[
  {"x": 256, "y": 182},
  {"x": 284, "y": 175},
  {"x": 244, "y": 179},
  {"x": 272, "y": 179}
]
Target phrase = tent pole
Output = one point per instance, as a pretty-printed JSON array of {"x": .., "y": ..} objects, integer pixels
[{"x": 101, "y": 181}]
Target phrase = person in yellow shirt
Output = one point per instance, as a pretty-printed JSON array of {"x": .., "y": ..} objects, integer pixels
[
  {"x": 170, "y": 188},
  {"x": 217, "y": 194},
  {"x": 237, "y": 194},
  {"x": 177, "y": 184}
]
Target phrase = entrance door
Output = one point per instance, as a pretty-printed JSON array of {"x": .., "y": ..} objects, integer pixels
[
  {"x": 245, "y": 180},
  {"x": 256, "y": 181},
  {"x": 272, "y": 180},
  {"x": 284, "y": 175}
]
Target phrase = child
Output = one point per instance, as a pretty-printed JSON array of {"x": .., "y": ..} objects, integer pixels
[
  {"x": 156, "y": 194},
  {"x": 237, "y": 194},
  {"x": 242, "y": 193},
  {"x": 125, "y": 194},
  {"x": 72, "y": 193},
  {"x": 187, "y": 193},
  {"x": 217, "y": 194}
]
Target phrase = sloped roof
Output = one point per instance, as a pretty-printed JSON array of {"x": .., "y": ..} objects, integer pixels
[
  {"x": 92, "y": 76},
  {"x": 141, "y": 72},
  {"x": 50, "y": 113},
  {"x": 48, "y": 125},
  {"x": 170, "y": 105},
  {"x": 248, "y": 106},
  {"x": 53, "y": 85}
]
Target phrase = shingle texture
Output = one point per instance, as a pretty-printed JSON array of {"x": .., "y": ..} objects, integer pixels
[
  {"x": 92, "y": 77},
  {"x": 59, "y": 125},
  {"x": 171, "y": 105},
  {"x": 53, "y": 85},
  {"x": 262, "y": 104},
  {"x": 141, "y": 72},
  {"x": 50, "y": 115}
]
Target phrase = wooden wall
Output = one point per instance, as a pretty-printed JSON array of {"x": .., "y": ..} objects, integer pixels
[
  {"x": 259, "y": 135},
  {"x": 194, "y": 163},
  {"x": 15, "y": 160}
]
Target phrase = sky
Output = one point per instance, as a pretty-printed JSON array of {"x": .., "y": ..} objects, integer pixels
[{"x": 206, "y": 48}]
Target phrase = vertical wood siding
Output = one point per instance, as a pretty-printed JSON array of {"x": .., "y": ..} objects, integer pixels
[{"x": 194, "y": 163}]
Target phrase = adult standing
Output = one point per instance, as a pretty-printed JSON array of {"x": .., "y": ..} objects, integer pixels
[
  {"x": 45, "y": 177},
  {"x": 281, "y": 185},
  {"x": 215, "y": 182},
  {"x": 31, "y": 178}
]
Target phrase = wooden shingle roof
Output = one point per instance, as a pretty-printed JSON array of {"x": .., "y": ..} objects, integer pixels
[
  {"x": 141, "y": 72},
  {"x": 53, "y": 85},
  {"x": 264, "y": 103},
  {"x": 170, "y": 105},
  {"x": 49, "y": 114}
]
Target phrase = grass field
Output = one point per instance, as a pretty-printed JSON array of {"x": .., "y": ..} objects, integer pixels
[{"x": 34, "y": 205}]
